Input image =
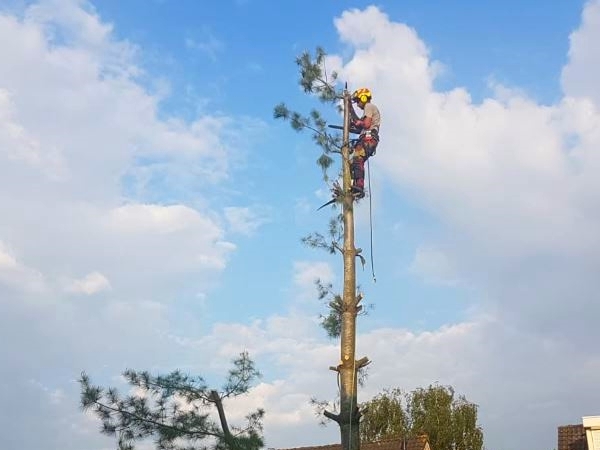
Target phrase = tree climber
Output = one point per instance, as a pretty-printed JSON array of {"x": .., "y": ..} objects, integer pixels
[{"x": 368, "y": 127}]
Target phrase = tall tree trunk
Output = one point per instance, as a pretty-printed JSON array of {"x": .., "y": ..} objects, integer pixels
[
  {"x": 349, "y": 422},
  {"x": 348, "y": 418},
  {"x": 228, "y": 437}
]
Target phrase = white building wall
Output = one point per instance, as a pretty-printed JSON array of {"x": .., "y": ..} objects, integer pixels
[{"x": 592, "y": 431}]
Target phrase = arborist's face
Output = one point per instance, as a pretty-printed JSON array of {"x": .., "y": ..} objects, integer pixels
[{"x": 360, "y": 104}]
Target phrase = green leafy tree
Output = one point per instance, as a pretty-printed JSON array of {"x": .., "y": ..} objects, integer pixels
[
  {"x": 174, "y": 410},
  {"x": 449, "y": 420},
  {"x": 384, "y": 417}
]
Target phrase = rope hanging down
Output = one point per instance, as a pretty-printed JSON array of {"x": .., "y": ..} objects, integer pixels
[{"x": 371, "y": 220}]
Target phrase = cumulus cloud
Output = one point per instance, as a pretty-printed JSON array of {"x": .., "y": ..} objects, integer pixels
[
  {"x": 92, "y": 283},
  {"x": 299, "y": 356},
  {"x": 460, "y": 354},
  {"x": 305, "y": 276},
  {"x": 17, "y": 275},
  {"x": 510, "y": 177},
  {"x": 245, "y": 220},
  {"x": 87, "y": 158},
  {"x": 511, "y": 183},
  {"x": 147, "y": 218},
  {"x": 18, "y": 145},
  {"x": 580, "y": 75},
  {"x": 77, "y": 70},
  {"x": 306, "y": 273}
]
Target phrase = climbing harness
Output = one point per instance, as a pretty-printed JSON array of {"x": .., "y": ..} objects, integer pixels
[{"x": 337, "y": 192}]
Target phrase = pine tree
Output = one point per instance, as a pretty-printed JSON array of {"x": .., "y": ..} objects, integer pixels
[
  {"x": 341, "y": 318},
  {"x": 174, "y": 410}
]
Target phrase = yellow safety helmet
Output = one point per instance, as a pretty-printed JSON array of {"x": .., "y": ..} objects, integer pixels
[{"x": 363, "y": 95}]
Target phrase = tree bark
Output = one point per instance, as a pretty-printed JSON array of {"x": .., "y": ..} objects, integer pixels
[
  {"x": 229, "y": 438},
  {"x": 348, "y": 417}
]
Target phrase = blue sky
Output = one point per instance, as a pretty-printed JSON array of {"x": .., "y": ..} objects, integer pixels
[
  {"x": 154, "y": 208},
  {"x": 521, "y": 44}
]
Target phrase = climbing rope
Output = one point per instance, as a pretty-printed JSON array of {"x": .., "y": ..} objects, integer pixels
[{"x": 371, "y": 220}]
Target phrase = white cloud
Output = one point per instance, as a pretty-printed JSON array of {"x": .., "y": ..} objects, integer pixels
[
  {"x": 91, "y": 284},
  {"x": 500, "y": 168},
  {"x": 209, "y": 44},
  {"x": 18, "y": 145},
  {"x": 512, "y": 185},
  {"x": 67, "y": 65},
  {"x": 433, "y": 265},
  {"x": 306, "y": 274},
  {"x": 86, "y": 156},
  {"x": 245, "y": 220},
  {"x": 75, "y": 18},
  {"x": 17, "y": 275},
  {"x": 580, "y": 76},
  {"x": 498, "y": 366},
  {"x": 55, "y": 396},
  {"x": 451, "y": 355},
  {"x": 178, "y": 235},
  {"x": 147, "y": 218},
  {"x": 85, "y": 73},
  {"x": 7, "y": 261}
]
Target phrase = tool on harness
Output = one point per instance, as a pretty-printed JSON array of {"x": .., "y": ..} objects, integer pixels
[
  {"x": 363, "y": 147},
  {"x": 372, "y": 133},
  {"x": 366, "y": 138}
]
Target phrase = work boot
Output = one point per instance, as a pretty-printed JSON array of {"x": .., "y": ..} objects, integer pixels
[{"x": 357, "y": 191}]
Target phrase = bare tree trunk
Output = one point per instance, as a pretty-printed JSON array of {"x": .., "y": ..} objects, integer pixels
[
  {"x": 348, "y": 418},
  {"x": 229, "y": 439}
]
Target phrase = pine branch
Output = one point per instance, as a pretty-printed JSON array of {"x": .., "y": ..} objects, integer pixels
[
  {"x": 102, "y": 407},
  {"x": 317, "y": 240},
  {"x": 314, "y": 80},
  {"x": 167, "y": 409},
  {"x": 239, "y": 378},
  {"x": 194, "y": 389}
]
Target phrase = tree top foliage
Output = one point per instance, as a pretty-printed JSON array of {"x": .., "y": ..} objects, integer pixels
[
  {"x": 449, "y": 420},
  {"x": 174, "y": 410},
  {"x": 315, "y": 80}
]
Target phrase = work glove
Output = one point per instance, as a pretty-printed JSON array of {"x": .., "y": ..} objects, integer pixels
[{"x": 357, "y": 123}]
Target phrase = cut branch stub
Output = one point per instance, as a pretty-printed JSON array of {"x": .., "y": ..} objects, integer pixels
[
  {"x": 362, "y": 362},
  {"x": 359, "y": 297},
  {"x": 332, "y": 416}
]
